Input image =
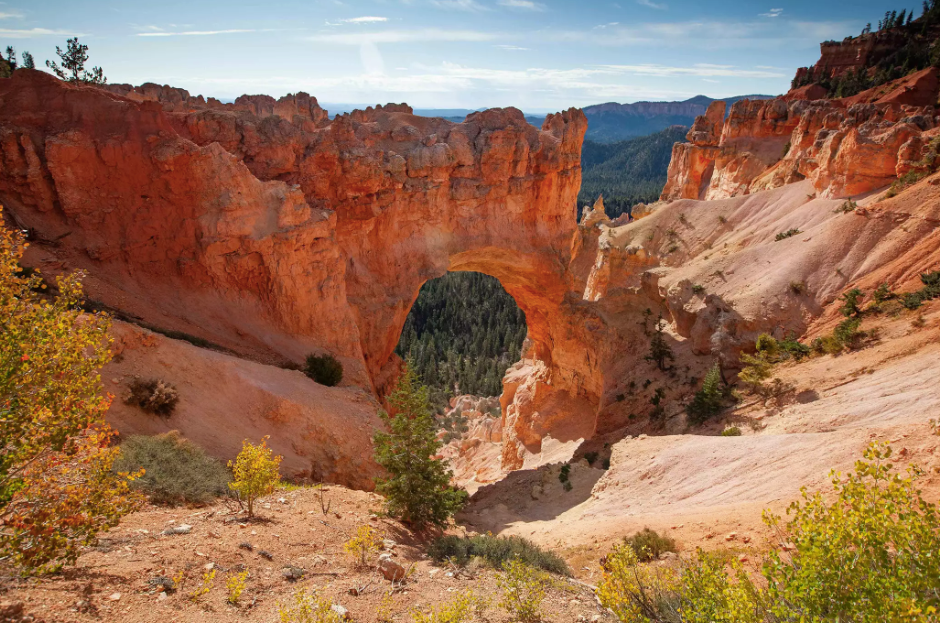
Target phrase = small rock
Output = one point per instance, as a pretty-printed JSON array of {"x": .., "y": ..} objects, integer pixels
[
  {"x": 245, "y": 545},
  {"x": 11, "y": 609},
  {"x": 731, "y": 536},
  {"x": 282, "y": 500},
  {"x": 391, "y": 569},
  {"x": 114, "y": 597},
  {"x": 742, "y": 558},
  {"x": 292, "y": 573},
  {"x": 161, "y": 581},
  {"x": 746, "y": 539},
  {"x": 341, "y": 611},
  {"x": 353, "y": 591},
  {"x": 266, "y": 505},
  {"x": 265, "y": 554},
  {"x": 180, "y": 529},
  {"x": 388, "y": 544},
  {"x": 209, "y": 566},
  {"x": 161, "y": 596}
]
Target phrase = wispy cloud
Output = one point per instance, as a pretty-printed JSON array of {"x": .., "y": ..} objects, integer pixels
[
  {"x": 772, "y": 13},
  {"x": 608, "y": 25},
  {"x": 13, "y": 33},
  {"x": 365, "y": 19},
  {"x": 653, "y": 5},
  {"x": 460, "y": 5},
  {"x": 526, "y": 5},
  {"x": 701, "y": 69},
  {"x": 511, "y": 47},
  {"x": 10, "y": 14},
  {"x": 195, "y": 33},
  {"x": 403, "y": 36}
]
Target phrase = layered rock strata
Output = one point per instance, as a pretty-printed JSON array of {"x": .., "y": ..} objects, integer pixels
[{"x": 845, "y": 149}]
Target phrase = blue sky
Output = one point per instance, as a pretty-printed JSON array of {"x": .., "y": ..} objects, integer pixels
[{"x": 537, "y": 55}]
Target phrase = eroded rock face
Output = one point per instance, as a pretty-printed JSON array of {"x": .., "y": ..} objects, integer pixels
[
  {"x": 845, "y": 149},
  {"x": 263, "y": 228}
]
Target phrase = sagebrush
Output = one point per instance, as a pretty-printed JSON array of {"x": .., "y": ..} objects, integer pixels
[{"x": 176, "y": 471}]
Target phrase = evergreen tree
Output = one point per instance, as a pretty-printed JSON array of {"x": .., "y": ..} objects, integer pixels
[
  {"x": 707, "y": 400},
  {"x": 73, "y": 64},
  {"x": 660, "y": 352},
  {"x": 417, "y": 489},
  {"x": 28, "y": 62}
]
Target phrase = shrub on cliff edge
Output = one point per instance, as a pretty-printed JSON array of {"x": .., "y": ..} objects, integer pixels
[{"x": 324, "y": 369}]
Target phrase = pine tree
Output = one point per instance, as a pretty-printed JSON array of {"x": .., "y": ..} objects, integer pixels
[
  {"x": 28, "y": 62},
  {"x": 660, "y": 352},
  {"x": 73, "y": 64},
  {"x": 417, "y": 489},
  {"x": 707, "y": 401}
]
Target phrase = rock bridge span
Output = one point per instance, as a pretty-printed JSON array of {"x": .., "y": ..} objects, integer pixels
[{"x": 269, "y": 229}]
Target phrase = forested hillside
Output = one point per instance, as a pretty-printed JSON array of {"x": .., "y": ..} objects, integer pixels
[
  {"x": 628, "y": 172},
  {"x": 465, "y": 330},
  {"x": 461, "y": 335}
]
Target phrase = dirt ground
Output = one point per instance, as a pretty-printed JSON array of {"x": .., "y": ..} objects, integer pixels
[{"x": 112, "y": 582}]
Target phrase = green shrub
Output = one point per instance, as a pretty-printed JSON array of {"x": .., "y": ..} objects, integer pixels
[
  {"x": 177, "y": 470},
  {"x": 793, "y": 347},
  {"x": 872, "y": 549},
  {"x": 797, "y": 287},
  {"x": 324, "y": 369},
  {"x": 496, "y": 550},
  {"x": 868, "y": 553},
  {"x": 850, "y": 307},
  {"x": 698, "y": 288},
  {"x": 649, "y": 544},
  {"x": 787, "y": 234},
  {"x": 731, "y": 431},
  {"x": 931, "y": 290},
  {"x": 883, "y": 293},
  {"x": 767, "y": 345},
  {"x": 523, "y": 591},
  {"x": 590, "y": 457}
]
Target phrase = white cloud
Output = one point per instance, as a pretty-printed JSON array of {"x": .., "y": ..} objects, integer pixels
[
  {"x": 702, "y": 69},
  {"x": 511, "y": 47},
  {"x": 526, "y": 5},
  {"x": 403, "y": 36},
  {"x": 36, "y": 32},
  {"x": 194, "y": 33},
  {"x": 772, "y": 13},
  {"x": 460, "y": 5},
  {"x": 366, "y": 19},
  {"x": 653, "y": 5},
  {"x": 608, "y": 25},
  {"x": 10, "y": 14}
]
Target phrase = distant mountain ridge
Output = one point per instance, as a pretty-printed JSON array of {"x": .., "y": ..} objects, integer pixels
[{"x": 611, "y": 122}]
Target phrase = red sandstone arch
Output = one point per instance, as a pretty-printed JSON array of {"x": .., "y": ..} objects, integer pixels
[{"x": 281, "y": 234}]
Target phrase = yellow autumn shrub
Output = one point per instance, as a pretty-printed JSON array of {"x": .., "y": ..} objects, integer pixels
[{"x": 57, "y": 486}]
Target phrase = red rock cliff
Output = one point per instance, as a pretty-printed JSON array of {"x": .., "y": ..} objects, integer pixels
[{"x": 845, "y": 148}]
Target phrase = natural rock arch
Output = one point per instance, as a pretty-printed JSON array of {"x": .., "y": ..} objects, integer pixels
[{"x": 283, "y": 234}]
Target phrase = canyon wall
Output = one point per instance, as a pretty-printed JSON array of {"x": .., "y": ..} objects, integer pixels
[{"x": 844, "y": 147}]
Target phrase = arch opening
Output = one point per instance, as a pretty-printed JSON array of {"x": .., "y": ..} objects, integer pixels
[{"x": 462, "y": 333}]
